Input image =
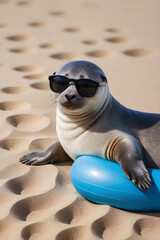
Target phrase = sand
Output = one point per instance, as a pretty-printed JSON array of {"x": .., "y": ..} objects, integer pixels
[{"x": 36, "y": 38}]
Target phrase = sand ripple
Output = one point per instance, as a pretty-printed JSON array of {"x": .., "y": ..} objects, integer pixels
[{"x": 28, "y": 122}]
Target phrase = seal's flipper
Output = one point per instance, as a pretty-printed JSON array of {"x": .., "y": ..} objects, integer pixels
[
  {"x": 35, "y": 158},
  {"x": 52, "y": 154},
  {"x": 128, "y": 152}
]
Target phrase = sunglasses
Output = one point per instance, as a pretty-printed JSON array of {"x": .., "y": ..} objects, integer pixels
[{"x": 85, "y": 87}]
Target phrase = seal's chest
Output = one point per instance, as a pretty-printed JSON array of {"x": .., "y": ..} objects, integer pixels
[{"x": 77, "y": 141}]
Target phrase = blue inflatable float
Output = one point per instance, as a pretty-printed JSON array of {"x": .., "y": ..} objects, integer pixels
[{"x": 101, "y": 181}]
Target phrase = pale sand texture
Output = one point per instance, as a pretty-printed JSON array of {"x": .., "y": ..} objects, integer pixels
[{"x": 37, "y": 37}]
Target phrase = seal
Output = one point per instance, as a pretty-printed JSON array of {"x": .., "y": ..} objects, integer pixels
[{"x": 89, "y": 121}]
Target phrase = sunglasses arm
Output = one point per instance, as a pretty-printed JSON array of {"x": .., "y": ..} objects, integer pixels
[{"x": 103, "y": 83}]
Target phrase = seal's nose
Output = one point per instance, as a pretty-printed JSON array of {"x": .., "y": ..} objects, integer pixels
[{"x": 70, "y": 97}]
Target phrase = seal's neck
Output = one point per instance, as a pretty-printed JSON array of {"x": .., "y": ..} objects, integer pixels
[{"x": 83, "y": 119}]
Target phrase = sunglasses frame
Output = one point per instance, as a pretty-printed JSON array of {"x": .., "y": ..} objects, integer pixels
[{"x": 70, "y": 80}]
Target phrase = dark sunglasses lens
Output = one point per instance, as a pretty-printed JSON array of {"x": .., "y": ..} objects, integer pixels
[
  {"x": 58, "y": 84},
  {"x": 87, "y": 88}
]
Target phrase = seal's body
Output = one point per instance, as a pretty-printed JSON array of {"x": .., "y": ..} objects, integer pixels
[
  {"x": 99, "y": 137},
  {"x": 99, "y": 125}
]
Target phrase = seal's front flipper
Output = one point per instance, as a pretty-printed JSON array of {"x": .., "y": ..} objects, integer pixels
[
  {"x": 35, "y": 158},
  {"x": 54, "y": 153},
  {"x": 136, "y": 171},
  {"x": 129, "y": 154}
]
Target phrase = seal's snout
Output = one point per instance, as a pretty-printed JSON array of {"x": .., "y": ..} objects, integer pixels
[{"x": 69, "y": 97}]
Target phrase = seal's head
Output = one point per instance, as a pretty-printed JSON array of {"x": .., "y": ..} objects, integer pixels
[{"x": 80, "y": 86}]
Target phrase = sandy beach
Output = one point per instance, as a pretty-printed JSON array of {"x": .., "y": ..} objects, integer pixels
[{"x": 36, "y": 38}]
